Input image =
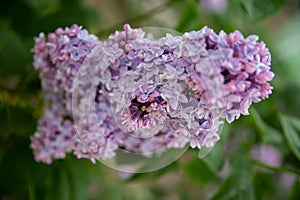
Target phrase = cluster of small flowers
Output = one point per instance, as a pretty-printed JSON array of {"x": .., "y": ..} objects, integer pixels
[
  {"x": 55, "y": 134},
  {"x": 58, "y": 59},
  {"x": 144, "y": 95}
]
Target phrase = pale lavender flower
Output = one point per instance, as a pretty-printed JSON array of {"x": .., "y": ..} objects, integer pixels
[
  {"x": 215, "y": 6},
  {"x": 267, "y": 154},
  {"x": 287, "y": 181}
]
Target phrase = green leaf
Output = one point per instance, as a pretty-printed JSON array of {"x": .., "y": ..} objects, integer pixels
[
  {"x": 70, "y": 179},
  {"x": 69, "y": 12},
  {"x": 258, "y": 9},
  {"x": 155, "y": 174},
  {"x": 239, "y": 184},
  {"x": 143, "y": 164},
  {"x": 17, "y": 120},
  {"x": 286, "y": 46},
  {"x": 188, "y": 16},
  {"x": 215, "y": 159},
  {"x": 43, "y": 7},
  {"x": 295, "y": 192},
  {"x": 291, "y": 130},
  {"x": 198, "y": 171},
  {"x": 13, "y": 54},
  {"x": 18, "y": 169},
  {"x": 268, "y": 133},
  {"x": 60, "y": 186},
  {"x": 264, "y": 185}
]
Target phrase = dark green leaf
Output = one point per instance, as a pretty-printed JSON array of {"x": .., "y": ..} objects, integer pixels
[
  {"x": 71, "y": 178},
  {"x": 295, "y": 192},
  {"x": 61, "y": 186},
  {"x": 70, "y": 12},
  {"x": 258, "y": 9},
  {"x": 43, "y": 7},
  {"x": 215, "y": 159},
  {"x": 17, "y": 120},
  {"x": 113, "y": 192},
  {"x": 155, "y": 174},
  {"x": 12, "y": 54},
  {"x": 291, "y": 130},
  {"x": 268, "y": 133},
  {"x": 154, "y": 165},
  {"x": 188, "y": 16},
  {"x": 271, "y": 186},
  {"x": 18, "y": 169},
  {"x": 198, "y": 171},
  {"x": 149, "y": 164},
  {"x": 239, "y": 184}
]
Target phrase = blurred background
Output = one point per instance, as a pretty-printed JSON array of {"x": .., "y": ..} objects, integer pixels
[{"x": 258, "y": 156}]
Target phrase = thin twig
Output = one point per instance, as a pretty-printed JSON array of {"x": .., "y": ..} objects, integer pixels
[
  {"x": 269, "y": 167},
  {"x": 278, "y": 169}
]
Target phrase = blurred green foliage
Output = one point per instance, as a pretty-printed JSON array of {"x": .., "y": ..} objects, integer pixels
[
  {"x": 228, "y": 172},
  {"x": 258, "y": 10}
]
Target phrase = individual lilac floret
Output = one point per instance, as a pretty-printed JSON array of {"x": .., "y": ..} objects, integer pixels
[{"x": 124, "y": 38}]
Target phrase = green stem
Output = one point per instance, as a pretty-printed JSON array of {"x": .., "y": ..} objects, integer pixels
[
  {"x": 9, "y": 120},
  {"x": 137, "y": 18},
  {"x": 269, "y": 167},
  {"x": 278, "y": 169},
  {"x": 31, "y": 190},
  {"x": 70, "y": 182}
]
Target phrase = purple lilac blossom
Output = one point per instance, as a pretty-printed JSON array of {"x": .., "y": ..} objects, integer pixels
[
  {"x": 55, "y": 134},
  {"x": 215, "y": 6},
  {"x": 58, "y": 59},
  {"x": 267, "y": 154},
  {"x": 145, "y": 95},
  {"x": 165, "y": 88},
  {"x": 241, "y": 65}
]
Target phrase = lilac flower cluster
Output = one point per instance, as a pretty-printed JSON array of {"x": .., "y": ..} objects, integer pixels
[
  {"x": 58, "y": 59},
  {"x": 55, "y": 134},
  {"x": 145, "y": 95}
]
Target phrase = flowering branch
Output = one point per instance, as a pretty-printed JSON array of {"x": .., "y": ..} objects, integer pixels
[{"x": 142, "y": 94}]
